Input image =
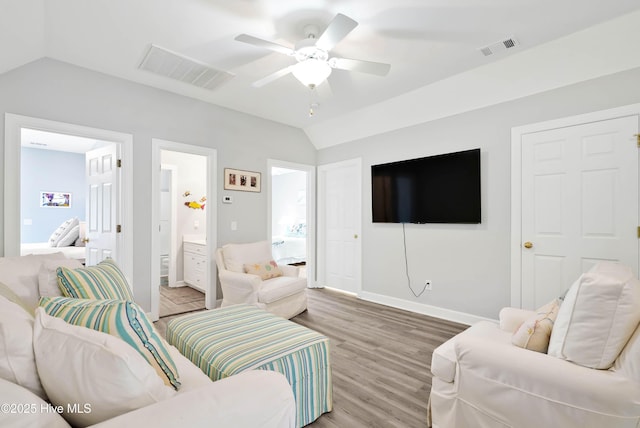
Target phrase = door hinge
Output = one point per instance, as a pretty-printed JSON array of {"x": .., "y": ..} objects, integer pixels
[
  {"x": 119, "y": 228},
  {"x": 638, "y": 232},
  {"x": 119, "y": 163},
  {"x": 637, "y": 139}
]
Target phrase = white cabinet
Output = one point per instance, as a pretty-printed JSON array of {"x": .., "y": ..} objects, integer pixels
[{"x": 195, "y": 265}]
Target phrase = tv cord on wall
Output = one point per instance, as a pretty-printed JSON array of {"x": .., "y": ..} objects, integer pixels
[{"x": 406, "y": 265}]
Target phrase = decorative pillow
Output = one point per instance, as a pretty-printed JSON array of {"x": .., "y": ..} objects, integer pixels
[
  {"x": 534, "y": 332},
  {"x": 73, "y": 360},
  {"x": 20, "y": 274},
  {"x": 119, "y": 318},
  {"x": 103, "y": 281},
  {"x": 48, "y": 275},
  {"x": 62, "y": 231},
  {"x": 265, "y": 270},
  {"x": 70, "y": 238},
  {"x": 17, "y": 395},
  {"x": 17, "y": 362},
  {"x": 596, "y": 319}
]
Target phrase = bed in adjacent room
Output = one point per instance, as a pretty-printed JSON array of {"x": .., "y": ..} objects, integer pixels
[{"x": 67, "y": 239}]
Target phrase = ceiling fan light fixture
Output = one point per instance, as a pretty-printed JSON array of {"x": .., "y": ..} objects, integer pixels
[{"x": 311, "y": 72}]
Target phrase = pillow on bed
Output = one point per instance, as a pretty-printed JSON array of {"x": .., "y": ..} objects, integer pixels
[
  {"x": 62, "y": 231},
  {"x": 70, "y": 238}
]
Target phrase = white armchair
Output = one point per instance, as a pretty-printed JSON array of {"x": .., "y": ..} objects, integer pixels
[
  {"x": 481, "y": 380},
  {"x": 284, "y": 295}
]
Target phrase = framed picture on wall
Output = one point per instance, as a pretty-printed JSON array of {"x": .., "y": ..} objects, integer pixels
[
  {"x": 246, "y": 181},
  {"x": 55, "y": 200}
]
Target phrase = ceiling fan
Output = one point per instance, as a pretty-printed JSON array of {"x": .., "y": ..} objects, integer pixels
[{"x": 314, "y": 64}]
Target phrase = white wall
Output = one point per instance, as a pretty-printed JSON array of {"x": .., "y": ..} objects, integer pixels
[
  {"x": 468, "y": 264},
  {"x": 59, "y": 91}
]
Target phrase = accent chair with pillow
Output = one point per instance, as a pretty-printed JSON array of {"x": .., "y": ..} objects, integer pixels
[
  {"x": 249, "y": 275},
  {"x": 569, "y": 364}
]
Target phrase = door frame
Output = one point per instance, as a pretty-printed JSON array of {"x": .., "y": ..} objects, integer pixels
[
  {"x": 173, "y": 257},
  {"x": 516, "y": 179},
  {"x": 12, "y": 147},
  {"x": 322, "y": 169},
  {"x": 311, "y": 211},
  {"x": 157, "y": 145}
]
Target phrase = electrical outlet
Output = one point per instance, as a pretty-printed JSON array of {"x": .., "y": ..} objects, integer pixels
[{"x": 427, "y": 285}]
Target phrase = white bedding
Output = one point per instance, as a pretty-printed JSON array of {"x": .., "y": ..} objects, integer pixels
[
  {"x": 44, "y": 248},
  {"x": 289, "y": 249}
]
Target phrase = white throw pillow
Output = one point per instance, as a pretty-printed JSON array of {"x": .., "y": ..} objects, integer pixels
[
  {"x": 62, "y": 231},
  {"x": 30, "y": 411},
  {"x": 17, "y": 361},
  {"x": 69, "y": 238},
  {"x": 81, "y": 366},
  {"x": 598, "y": 315},
  {"x": 20, "y": 274},
  {"x": 48, "y": 278}
]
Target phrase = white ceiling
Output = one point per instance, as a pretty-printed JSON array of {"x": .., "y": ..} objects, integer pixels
[{"x": 425, "y": 41}]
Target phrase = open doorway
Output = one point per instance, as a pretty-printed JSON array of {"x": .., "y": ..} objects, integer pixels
[
  {"x": 53, "y": 202},
  {"x": 183, "y": 228},
  {"x": 292, "y": 215}
]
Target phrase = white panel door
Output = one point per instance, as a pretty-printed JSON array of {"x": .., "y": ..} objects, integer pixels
[
  {"x": 339, "y": 226},
  {"x": 102, "y": 204},
  {"x": 579, "y": 204}
]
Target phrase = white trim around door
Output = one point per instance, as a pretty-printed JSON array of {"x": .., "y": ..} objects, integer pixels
[
  {"x": 211, "y": 219},
  {"x": 12, "y": 146},
  {"x": 517, "y": 134}
]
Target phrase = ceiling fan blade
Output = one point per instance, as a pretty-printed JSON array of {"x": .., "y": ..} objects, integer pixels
[
  {"x": 273, "y": 76},
  {"x": 265, "y": 44},
  {"x": 370, "y": 67},
  {"x": 337, "y": 30}
]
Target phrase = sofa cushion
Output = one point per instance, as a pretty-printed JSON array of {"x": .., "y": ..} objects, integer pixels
[
  {"x": 31, "y": 406},
  {"x": 265, "y": 269},
  {"x": 20, "y": 274},
  {"x": 123, "y": 319},
  {"x": 598, "y": 316},
  {"x": 103, "y": 281},
  {"x": 237, "y": 255},
  {"x": 628, "y": 362},
  {"x": 17, "y": 361},
  {"x": 278, "y": 288},
  {"x": 80, "y": 366},
  {"x": 48, "y": 275},
  {"x": 534, "y": 333},
  {"x": 62, "y": 231}
]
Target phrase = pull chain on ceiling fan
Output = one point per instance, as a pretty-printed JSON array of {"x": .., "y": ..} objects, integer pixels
[{"x": 314, "y": 64}]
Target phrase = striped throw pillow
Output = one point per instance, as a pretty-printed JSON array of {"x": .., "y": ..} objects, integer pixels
[
  {"x": 120, "y": 318},
  {"x": 103, "y": 281}
]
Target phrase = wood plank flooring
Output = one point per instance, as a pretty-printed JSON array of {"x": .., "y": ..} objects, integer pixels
[
  {"x": 380, "y": 359},
  {"x": 178, "y": 300}
]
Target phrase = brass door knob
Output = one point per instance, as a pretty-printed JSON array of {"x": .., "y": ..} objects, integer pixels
[
  {"x": 355, "y": 236},
  {"x": 85, "y": 240},
  {"x": 528, "y": 244}
]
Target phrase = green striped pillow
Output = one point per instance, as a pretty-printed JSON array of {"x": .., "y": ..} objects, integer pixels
[
  {"x": 119, "y": 318},
  {"x": 103, "y": 281}
]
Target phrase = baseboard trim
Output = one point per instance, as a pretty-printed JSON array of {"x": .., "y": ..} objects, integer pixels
[{"x": 421, "y": 308}]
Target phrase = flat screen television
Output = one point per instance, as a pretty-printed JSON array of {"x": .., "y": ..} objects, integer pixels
[{"x": 435, "y": 189}]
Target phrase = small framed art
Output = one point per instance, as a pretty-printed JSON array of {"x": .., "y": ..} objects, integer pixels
[
  {"x": 246, "y": 181},
  {"x": 55, "y": 199}
]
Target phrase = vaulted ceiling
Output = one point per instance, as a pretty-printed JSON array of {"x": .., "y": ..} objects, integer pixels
[{"x": 425, "y": 41}]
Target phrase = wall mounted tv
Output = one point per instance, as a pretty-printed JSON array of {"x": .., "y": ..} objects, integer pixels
[{"x": 435, "y": 189}]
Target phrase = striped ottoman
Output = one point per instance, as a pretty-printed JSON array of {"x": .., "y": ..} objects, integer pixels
[{"x": 226, "y": 341}]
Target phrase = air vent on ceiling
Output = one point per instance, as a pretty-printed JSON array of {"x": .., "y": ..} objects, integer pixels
[
  {"x": 179, "y": 67},
  {"x": 500, "y": 46}
]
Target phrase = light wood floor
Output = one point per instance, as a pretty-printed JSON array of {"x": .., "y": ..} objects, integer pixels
[
  {"x": 178, "y": 300},
  {"x": 380, "y": 359}
]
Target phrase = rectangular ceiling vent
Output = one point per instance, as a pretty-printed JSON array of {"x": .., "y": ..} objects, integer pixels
[
  {"x": 179, "y": 67},
  {"x": 500, "y": 46}
]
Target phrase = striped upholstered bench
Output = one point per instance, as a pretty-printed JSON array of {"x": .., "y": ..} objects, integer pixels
[{"x": 227, "y": 341}]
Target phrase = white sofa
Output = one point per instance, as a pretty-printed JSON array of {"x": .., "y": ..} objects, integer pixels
[
  {"x": 285, "y": 295},
  {"x": 480, "y": 379},
  {"x": 250, "y": 399}
]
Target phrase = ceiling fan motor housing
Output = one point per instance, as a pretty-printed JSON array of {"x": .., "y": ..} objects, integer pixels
[{"x": 307, "y": 49}]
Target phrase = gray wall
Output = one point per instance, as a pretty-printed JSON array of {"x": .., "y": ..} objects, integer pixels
[
  {"x": 468, "y": 264},
  {"x": 59, "y": 91}
]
